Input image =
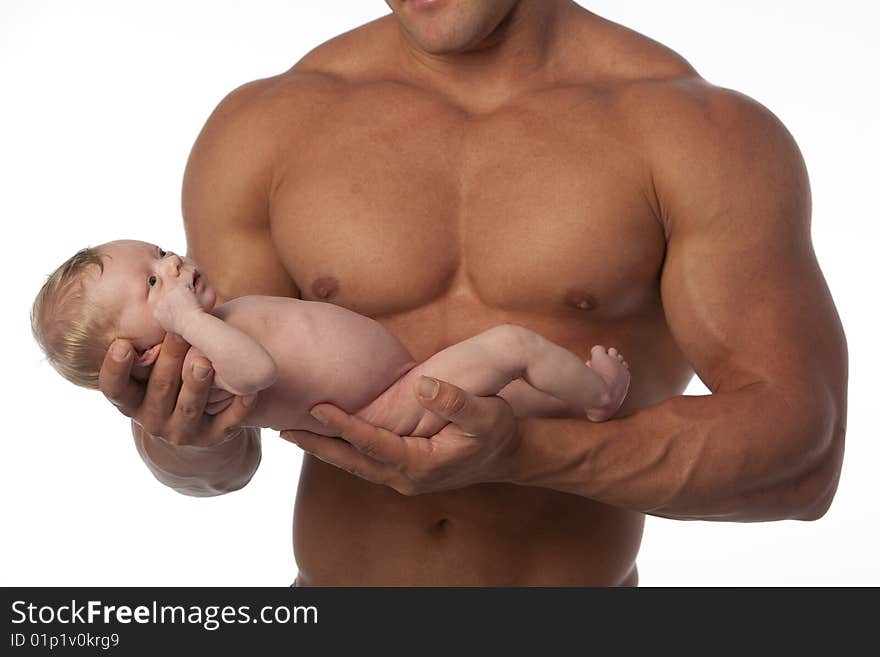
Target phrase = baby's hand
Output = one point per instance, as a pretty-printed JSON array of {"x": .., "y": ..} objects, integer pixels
[{"x": 176, "y": 307}]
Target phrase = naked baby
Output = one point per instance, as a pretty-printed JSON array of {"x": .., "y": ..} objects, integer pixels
[{"x": 296, "y": 353}]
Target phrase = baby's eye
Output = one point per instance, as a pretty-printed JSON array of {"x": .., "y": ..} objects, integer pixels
[
  {"x": 162, "y": 253},
  {"x": 151, "y": 281}
]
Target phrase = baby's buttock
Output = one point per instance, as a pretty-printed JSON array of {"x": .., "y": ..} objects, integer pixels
[{"x": 398, "y": 409}]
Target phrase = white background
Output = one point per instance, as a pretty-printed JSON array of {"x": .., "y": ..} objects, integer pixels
[{"x": 99, "y": 105}]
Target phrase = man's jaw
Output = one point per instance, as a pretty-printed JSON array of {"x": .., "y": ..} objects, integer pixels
[
  {"x": 421, "y": 4},
  {"x": 204, "y": 291}
]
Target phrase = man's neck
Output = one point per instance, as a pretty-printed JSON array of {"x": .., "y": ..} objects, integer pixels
[{"x": 519, "y": 51}]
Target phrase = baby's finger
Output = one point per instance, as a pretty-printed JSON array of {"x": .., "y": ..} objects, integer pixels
[
  {"x": 229, "y": 421},
  {"x": 213, "y": 408},
  {"x": 218, "y": 394},
  {"x": 115, "y": 381}
]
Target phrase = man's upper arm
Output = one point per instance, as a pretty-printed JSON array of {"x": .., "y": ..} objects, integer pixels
[
  {"x": 226, "y": 189},
  {"x": 741, "y": 287}
]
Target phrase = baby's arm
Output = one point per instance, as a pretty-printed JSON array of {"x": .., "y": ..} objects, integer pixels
[{"x": 241, "y": 364}]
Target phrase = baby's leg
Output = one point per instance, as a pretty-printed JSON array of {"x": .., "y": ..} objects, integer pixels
[
  {"x": 484, "y": 364},
  {"x": 487, "y": 362}
]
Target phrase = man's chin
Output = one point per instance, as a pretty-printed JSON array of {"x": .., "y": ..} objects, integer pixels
[{"x": 208, "y": 299}]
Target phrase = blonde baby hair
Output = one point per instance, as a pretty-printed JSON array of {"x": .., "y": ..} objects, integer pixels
[{"x": 72, "y": 331}]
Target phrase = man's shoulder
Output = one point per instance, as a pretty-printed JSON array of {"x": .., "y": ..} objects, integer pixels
[
  {"x": 690, "y": 117},
  {"x": 351, "y": 55},
  {"x": 286, "y": 96},
  {"x": 657, "y": 89},
  {"x": 666, "y": 104},
  {"x": 317, "y": 78},
  {"x": 689, "y": 131},
  {"x": 611, "y": 54},
  {"x": 704, "y": 145}
]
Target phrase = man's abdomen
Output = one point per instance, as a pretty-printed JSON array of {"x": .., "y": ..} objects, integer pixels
[{"x": 349, "y": 532}]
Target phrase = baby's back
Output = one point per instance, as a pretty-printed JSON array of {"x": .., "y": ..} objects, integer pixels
[{"x": 323, "y": 352}]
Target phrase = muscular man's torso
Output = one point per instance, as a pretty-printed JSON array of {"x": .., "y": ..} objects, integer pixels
[{"x": 401, "y": 201}]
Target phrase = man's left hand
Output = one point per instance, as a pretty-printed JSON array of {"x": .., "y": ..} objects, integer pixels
[{"x": 473, "y": 448}]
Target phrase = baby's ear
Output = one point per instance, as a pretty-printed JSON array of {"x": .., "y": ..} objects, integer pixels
[{"x": 148, "y": 356}]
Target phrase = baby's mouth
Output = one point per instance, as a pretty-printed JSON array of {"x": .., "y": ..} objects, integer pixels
[{"x": 197, "y": 279}]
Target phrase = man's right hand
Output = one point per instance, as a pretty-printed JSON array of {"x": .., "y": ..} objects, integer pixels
[{"x": 163, "y": 406}]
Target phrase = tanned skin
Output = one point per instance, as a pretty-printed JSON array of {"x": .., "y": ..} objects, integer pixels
[{"x": 461, "y": 164}]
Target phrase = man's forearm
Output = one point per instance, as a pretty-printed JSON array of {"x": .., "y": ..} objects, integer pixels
[
  {"x": 744, "y": 455},
  {"x": 201, "y": 471}
]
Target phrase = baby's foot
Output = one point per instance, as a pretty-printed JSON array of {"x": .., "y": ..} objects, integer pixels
[{"x": 615, "y": 373}]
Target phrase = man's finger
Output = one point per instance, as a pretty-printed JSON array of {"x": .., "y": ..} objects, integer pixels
[
  {"x": 293, "y": 435},
  {"x": 343, "y": 455},
  {"x": 115, "y": 380},
  {"x": 470, "y": 413},
  {"x": 193, "y": 397},
  {"x": 164, "y": 383},
  {"x": 374, "y": 442}
]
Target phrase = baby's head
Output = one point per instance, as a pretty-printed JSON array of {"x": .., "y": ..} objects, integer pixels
[{"x": 108, "y": 292}]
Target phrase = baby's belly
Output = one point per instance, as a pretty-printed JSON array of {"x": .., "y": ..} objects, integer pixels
[{"x": 323, "y": 354}]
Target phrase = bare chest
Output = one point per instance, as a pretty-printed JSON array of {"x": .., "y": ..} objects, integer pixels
[{"x": 397, "y": 200}]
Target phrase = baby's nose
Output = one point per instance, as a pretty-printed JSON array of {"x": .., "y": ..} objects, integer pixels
[{"x": 171, "y": 264}]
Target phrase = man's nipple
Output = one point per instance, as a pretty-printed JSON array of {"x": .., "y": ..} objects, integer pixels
[
  {"x": 325, "y": 287},
  {"x": 581, "y": 300}
]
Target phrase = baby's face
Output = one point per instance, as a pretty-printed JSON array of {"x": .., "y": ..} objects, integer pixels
[{"x": 136, "y": 276}]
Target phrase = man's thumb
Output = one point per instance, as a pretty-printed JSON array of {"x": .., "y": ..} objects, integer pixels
[{"x": 442, "y": 398}]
